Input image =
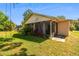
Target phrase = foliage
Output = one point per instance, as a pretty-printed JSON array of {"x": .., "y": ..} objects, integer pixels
[
  {"x": 18, "y": 27},
  {"x": 9, "y": 25},
  {"x": 5, "y": 23},
  {"x": 77, "y": 27},
  {"x": 74, "y": 25},
  {"x": 25, "y": 29},
  {"x": 26, "y": 15},
  {"x": 61, "y": 17}
]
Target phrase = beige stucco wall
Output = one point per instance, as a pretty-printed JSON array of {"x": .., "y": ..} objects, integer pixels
[{"x": 63, "y": 28}]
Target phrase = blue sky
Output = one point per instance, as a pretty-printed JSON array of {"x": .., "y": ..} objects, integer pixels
[{"x": 69, "y": 10}]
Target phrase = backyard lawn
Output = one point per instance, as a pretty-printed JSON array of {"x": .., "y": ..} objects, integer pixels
[{"x": 13, "y": 43}]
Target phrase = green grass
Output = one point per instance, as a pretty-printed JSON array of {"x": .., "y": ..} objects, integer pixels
[{"x": 39, "y": 46}]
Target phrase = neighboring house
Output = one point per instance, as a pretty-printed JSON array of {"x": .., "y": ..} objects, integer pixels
[{"x": 48, "y": 25}]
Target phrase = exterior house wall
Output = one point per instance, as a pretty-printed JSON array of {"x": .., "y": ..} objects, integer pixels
[{"x": 63, "y": 28}]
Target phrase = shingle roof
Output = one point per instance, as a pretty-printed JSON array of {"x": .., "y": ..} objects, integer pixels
[{"x": 50, "y": 17}]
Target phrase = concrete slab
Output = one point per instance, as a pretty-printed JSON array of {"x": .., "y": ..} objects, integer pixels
[{"x": 58, "y": 39}]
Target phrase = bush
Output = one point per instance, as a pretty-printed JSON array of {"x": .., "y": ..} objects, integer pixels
[
  {"x": 26, "y": 30},
  {"x": 77, "y": 27},
  {"x": 72, "y": 27}
]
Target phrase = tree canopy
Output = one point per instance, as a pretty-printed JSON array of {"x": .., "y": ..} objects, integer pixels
[
  {"x": 5, "y": 23},
  {"x": 61, "y": 17},
  {"x": 74, "y": 25},
  {"x": 26, "y": 15}
]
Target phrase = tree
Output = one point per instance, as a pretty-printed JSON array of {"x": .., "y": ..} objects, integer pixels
[
  {"x": 24, "y": 29},
  {"x": 3, "y": 18},
  {"x": 5, "y": 23},
  {"x": 72, "y": 27},
  {"x": 26, "y": 15},
  {"x": 9, "y": 25},
  {"x": 61, "y": 17}
]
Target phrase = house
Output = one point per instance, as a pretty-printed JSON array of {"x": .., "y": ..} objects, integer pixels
[{"x": 48, "y": 25}]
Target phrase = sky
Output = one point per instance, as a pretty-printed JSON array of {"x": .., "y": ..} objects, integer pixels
[{"x": 69, "y": 10}]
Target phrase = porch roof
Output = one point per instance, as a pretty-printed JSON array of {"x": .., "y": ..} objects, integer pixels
[{"x": 49, "y": 18}]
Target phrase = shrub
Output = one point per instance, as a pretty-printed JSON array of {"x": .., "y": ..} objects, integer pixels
[
  {"x": 26, "y": 30},
  {"x": 77, "y": 27},
  {"x": 72, "y": 27}
]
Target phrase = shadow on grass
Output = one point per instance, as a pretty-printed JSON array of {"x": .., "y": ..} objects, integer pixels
[
  {"x": 22, "y": 52},
  {"x": 30, "y": 38},
  {"x": 9, "y": 46},
  {"x": 6, "y": 39}
]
